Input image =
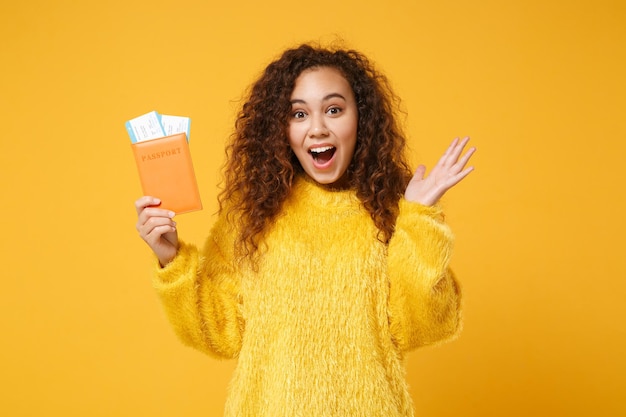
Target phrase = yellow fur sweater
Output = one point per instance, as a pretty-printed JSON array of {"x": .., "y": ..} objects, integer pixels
[{"x": 320, "y": 326}]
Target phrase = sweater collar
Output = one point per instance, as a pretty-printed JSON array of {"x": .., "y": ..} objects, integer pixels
[{"x": 308, "y": 192}]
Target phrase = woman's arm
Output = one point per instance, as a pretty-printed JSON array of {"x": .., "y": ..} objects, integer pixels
[
  {"x": 424, "y": 302},
  {"x": 424, "y": 298},
  {"x": 200, "y": 292},
  {"x": 201, "y": 295}
]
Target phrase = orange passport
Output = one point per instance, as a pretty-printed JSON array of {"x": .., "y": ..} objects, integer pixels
[{"x": 166, "y": 172}]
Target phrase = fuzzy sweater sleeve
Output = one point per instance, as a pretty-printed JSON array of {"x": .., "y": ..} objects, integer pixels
[
  {"x": 201, "y": 295},
  {"x": 424, "y": 296}
]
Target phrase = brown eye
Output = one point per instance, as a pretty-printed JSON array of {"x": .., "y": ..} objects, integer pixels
[
  {"x": 299, "y": 114},
  {"x": 334, "y": 110}
]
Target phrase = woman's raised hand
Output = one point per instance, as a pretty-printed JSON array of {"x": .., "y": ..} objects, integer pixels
[
  {"x": 448, "y": 172},
  {"x": 157, "y": 229}
]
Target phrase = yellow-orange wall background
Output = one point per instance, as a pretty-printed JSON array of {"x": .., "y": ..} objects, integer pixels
[{"x": 538, "y": 85}]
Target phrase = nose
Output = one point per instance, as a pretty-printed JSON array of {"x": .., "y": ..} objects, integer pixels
[{"x": 318, "y": 127}]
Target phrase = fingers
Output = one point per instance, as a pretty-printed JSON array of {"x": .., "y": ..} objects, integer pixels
[
  {"x": 157, "y": 228},
  {"x": 455, "y": 150},
  {"x": 146, "y": 201},
  {"x": 458, "y": 177},
  {"x": 446, "y": 155},
  {"x": 458, "y": 170},
  {"x": 462, "y": 162},
  {"x": 452, "y": 167},
  {"x": 419, "y": 172},
  {"x": 449, "y": 171},
  {"x": 452, "y": 159},
  {"x": 147, "y": 205},
  {"x": 153, "y": 221}
]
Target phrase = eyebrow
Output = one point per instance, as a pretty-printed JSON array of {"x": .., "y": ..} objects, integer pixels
[{"x": 326, "y": 98}]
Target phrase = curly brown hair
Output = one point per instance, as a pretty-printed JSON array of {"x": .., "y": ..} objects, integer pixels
[{"x": 261, "y": 167}]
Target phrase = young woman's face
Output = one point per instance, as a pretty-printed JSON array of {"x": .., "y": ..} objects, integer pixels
[{"x": 323, "y": 124}]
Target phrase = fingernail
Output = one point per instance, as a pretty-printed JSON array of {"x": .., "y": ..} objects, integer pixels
[{"x": 171, "y": 214}]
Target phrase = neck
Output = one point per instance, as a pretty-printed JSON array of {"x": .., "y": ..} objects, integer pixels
[{"x": 342, "y": 184}]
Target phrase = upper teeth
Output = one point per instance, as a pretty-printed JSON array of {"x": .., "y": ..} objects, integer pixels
[{"x": 322, "y": 149}]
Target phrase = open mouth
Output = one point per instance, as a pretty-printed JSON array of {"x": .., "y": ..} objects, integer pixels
[{"x": 322, "y": 154}]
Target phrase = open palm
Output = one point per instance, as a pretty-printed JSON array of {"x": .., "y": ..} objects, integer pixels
[{"x": 448, "y": 172}]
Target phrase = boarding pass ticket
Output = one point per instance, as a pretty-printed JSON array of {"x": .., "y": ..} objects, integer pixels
[{"x": 154, "y": 125}]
